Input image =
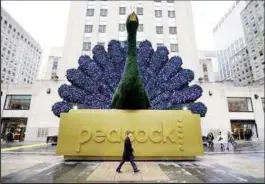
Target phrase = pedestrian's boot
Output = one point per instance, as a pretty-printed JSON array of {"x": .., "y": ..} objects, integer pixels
[
  {"x": 118, "y": 171},
  {"x": 136, "y": 170}
]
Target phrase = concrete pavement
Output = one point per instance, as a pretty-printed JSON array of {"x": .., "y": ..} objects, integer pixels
[{"x": 242, "y": 168}]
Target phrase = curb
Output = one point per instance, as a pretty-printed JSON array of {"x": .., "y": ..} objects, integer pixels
[
  {"x": 53, "y": 153},
  {"x": 28, "y": 153},
  {"x": 239, "y": 152},
  {"x": 23, "y": 147}
]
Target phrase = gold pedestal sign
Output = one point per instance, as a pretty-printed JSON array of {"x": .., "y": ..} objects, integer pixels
[{"x": 157, "y": 134}]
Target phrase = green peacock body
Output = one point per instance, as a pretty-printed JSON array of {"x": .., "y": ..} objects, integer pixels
[{"x": 130, "y": 93}]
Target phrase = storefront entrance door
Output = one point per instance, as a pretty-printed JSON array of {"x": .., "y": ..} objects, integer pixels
[{"x": 244, "y": 129}]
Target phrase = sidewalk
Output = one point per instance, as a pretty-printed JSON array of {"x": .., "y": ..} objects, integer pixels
[
  {"x": 247, "y": 168},
  {"x": 242, "y": 147},
  {"x": 47, "y": 149}
]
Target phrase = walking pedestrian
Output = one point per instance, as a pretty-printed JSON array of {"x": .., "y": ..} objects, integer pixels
[
  {"x": 128, "y": 153},
  {"x": 222, "y": 139},
  {"x": 230, "y": 139}
]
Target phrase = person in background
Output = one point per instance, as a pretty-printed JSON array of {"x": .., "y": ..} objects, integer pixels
[
  {"x": 222, "y": 139},
  {"x": 230, "y": 139},
  {"x": 210, "y": 138},
  {"x": 128, "y": 153},
  {"x": 10, "y": 137}
]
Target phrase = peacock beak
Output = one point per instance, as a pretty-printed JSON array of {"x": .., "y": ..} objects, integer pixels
[{"x": 133, "y": 17}]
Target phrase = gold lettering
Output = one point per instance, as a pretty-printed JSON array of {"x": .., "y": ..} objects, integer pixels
[
  {"x": 167, "y": 134},
  {"x": 116, "y": 136},
  {"x": 141, "y": 136},
  {"x": 153, "y": 136},
  {"x": 99, "y": 136},
  {"x": 85, "y": 137},
  {"x": 123, "y": 134}
]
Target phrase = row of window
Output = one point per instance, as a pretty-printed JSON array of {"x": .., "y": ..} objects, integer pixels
[
  {"x": 235, "y": 104},
  {"x": 122, "y": 11},
  {"x": 18, "y": 34},
  {"x": 122, "y": 28},
  {"x": 173, "y": 47}
]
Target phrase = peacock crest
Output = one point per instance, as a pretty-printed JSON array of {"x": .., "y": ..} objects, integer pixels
[{"x": 130, "y": 78}]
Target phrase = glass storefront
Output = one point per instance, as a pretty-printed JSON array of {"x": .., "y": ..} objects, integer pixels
[
  {"x": 15, "y": 125},
  {"x": 17, "y": 102},
  {"x": 239, "y": 104},
  {"x": 244, "y": 129}
]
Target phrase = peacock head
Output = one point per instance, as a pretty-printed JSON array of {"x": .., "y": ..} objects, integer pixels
[{"x": 132, "y": 23}]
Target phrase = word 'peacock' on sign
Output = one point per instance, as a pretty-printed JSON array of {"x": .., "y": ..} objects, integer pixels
[{"x": 116, "y": 135}]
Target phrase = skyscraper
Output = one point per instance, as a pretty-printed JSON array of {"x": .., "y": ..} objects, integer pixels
[
  {"x": 168, "y": 23},
  {"x": 20, "y": 53},
  {"x": 229, "y": 39},
  {"x": 253, "y": 25}
]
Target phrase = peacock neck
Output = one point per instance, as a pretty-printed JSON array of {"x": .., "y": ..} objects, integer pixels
[
  {"x": 131, "y": 40},
  {"x": 131, "y": 65}
]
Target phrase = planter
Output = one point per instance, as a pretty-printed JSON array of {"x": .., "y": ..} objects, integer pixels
[{"x": 158, "y": 134}]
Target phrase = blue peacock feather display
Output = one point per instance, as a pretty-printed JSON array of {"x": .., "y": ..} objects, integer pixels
[{"x": 94, "y": 82}]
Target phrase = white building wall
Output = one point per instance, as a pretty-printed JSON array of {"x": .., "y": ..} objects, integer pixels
[
  {"x": 217, "y": 118},
  {"x": 207, "y": 58},
  {"x": 40, "y": 114},
  {"x": 218, "y": 115},
  {"x": 55, "y": 55},
  {"x": 77, "y": 20}
]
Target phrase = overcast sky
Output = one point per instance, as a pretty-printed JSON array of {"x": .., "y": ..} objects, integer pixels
[{"x": 46, "y": 20}]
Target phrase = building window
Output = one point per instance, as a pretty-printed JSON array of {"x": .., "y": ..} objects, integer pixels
[
  {"x": 140, "y": 11},
  {"x": 171, "y": 14},
  {"x": 159, "y": 29},
  {"x": 121, "y": 27},
  {"x": 141, "y": 28},
  {"x": 17, "y": 102},
  {"x": 174, "y": 47},
  {"x": 54, "y": 65},
  {"x": 103, "y": 12},
  {"x": 159, "y": 44},
  {"x": 172, "y": 30},
  {"x": 240, "y": 104},
  {"x": 90, "y": 12},
  {"x": 122, "y": 10},
  {"x": 102, "y": 28},
  {"x": 42, "y": 132},
  {"x": 170, "y": 1},
  {"x": 88, "y": 28},
  {"x": 87, "y": 46},
  {"x": 158, "y": 1},
  {"x": 158, "y": 13},
  {"x": 204, "y": 67}
]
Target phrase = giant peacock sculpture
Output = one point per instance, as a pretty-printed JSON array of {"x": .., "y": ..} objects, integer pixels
[{"x": 130, "y": 78}]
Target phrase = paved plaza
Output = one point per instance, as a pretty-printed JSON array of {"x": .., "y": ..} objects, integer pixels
[{"x": 39, "y": 165}]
